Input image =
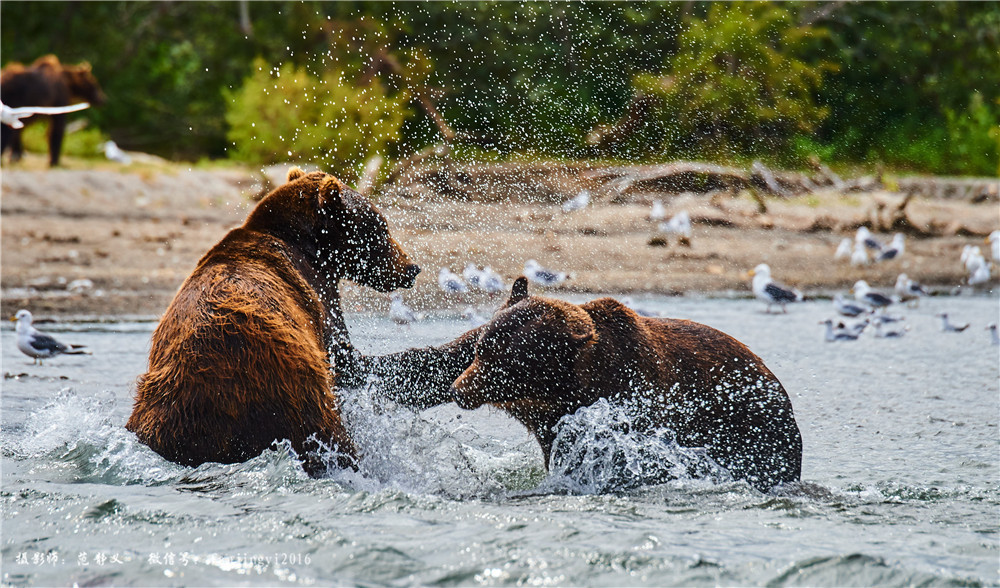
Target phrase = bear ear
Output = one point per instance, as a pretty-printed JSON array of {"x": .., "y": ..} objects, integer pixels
[
  {"x": 295, "y": 173},
  {"x": 518, "y": 292}
]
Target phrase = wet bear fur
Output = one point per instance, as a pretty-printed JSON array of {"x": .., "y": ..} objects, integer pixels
[
  {"x": 540, "y": 359},
  {"x": 46, "y": 82},
  {"x": 241, "y": 357}
]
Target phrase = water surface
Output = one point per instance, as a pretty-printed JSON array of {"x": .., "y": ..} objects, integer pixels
[{"x": 901, "y": 477}]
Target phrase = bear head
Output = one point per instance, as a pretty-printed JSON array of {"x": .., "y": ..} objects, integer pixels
[
  {"x": 528, "y": 350},
  {"x": 340, "y": 231},
  {"x": 82, "y": 84}
]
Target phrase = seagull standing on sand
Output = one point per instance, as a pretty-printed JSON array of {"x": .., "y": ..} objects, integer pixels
[
  {"x": 894, "y": 250},
  {"x": 399, "y": 312},
  {"x": 846, "y": 307},
  {"x": 113, "y": 152},
  {"x": 865, "y": 237},
  {"x": 491, "y": 282},
  {"x": 843, "y": 250},
  {"x": 680, "y": 225},
  {"x": 769, "y": 291},
  {"x": 450, "y": 282},
  {"x": 542, "y": 276},
  {"x": 860, "y": 255},
  {"x": 473, "y": 275},
  {"x": 658, "y": 212},
  {"x": 581, "y": 200},
  {"x": 947, "y": 327},
  {"x": 864, "y": 293},
  {"x": 36, "y": 344},
  {"x": 908, "y": 290}
]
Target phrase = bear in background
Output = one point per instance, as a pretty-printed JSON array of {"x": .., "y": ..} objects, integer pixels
[
  {"x": 540, "y": 359},
  {"x": 46, "y": 82},
  {"x": 241, "y": 357}
]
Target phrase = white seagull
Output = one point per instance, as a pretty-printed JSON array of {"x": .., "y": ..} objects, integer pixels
[
  {"x": 908, "y": 290},
  {"x": 888, "y": 333},
  {"x": 769, "y": 291},
  {"x": 474, "y": 317},
  {"x": 865, "y": 237},
  {"x": 860, "y": 255},
  {"x": 679, "y": 224},
  {"x": 581, "y": 200},
  {"x": 12, "y": 116},
  {"x": 864, "y": 293},
  {"x": 491, "y": 282},
  {"x": 839, "y": 334},
  {"x": 473, "y": 275},
  {"x": 894, "y": 250},
  {"x": 947, "y": 327},
  {"x": 843, "y": 250},
  {"x": 994, "y": 241},
  {"x": 846, "y": 307},
  {"x": 543, "y": 276},
  {"x": 399, "y": 312},
  {"x": 113, "y": 152},
  {"x": 658, "y": 212},
  {"x": 450, "y": 282},
  {"x": 36, "y": 344}
]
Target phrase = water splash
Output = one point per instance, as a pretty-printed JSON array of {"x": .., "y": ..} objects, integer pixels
[{"x": 597, "y": 451}]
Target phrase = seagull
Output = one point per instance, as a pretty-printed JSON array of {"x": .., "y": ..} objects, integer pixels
[
  {"x": 581, "y": 200},
  {"x": 843, "y": 250},
  {"x": 658, "y": 212},
  {"x": 864, "y": 293},
  {"x": 12, "y": 116},
  {"x": 947, "y": 327},
  {"x": 838, "y": 334},
  {"x": 113, "y": 152},
  {"x": 769, "y": 291},
  {"x": 473, "y": 275},
  {"x": 864, "y": 236},
  {"x": 972, "y": 257},
  {"x": 908, "y": 290},
  {"x": 888, "y": 333},
  {"x": 994, "y": 241},
  {"x": 860, "y": 255},
  {"x": 979, "y": 269},
  {"x": 38, "y": 345},
  {"x": 450, "y": 282},
  {"x": 491, "y": 282},
  {"x": 399, "y": 312},
  {"x": 679, "y": 224},
  {"x": 847, "y": 308},
  {"x": 994, "y": 337},
  {"x": 542, "y": 276},
  {"x": 894, "y": 250}
]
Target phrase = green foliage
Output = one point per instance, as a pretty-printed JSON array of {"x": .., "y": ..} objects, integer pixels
[
  {"x": 736, "y": 84},
  {"x": 287, "y": 114},
  {"x": 85, "y": 143}
]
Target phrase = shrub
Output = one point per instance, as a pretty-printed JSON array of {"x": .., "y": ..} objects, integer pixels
[{"x": 287, "y": 114}]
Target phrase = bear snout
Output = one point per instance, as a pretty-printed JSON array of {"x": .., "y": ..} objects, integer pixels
[
  {"x": 463, "y": 390},
  {"x": 411, "y": 272}
]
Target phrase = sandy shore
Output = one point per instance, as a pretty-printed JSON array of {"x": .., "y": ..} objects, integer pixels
[{"x": 96, "y": 242}]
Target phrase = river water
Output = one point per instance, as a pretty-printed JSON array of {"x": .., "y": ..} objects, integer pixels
[{"x": 901, "y": 477}]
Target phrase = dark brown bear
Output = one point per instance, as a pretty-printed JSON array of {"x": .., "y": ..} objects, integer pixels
[
  {"x": 241, "y": 356},
  {"x": 540, "y": 359},
  {"x": 45, "y": 83}
]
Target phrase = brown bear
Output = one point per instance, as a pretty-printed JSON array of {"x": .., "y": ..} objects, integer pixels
[
  {"x": 540, "y": 359},
  {"x": 241, "y": 357},
  {"x": 46, "y": 82}
]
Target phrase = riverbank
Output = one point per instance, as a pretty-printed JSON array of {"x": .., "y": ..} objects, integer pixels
[{"x": 89, "y": 242}]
